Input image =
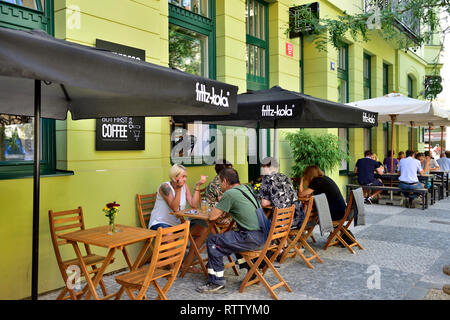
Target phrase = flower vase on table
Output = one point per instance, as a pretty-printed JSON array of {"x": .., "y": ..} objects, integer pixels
[{"x": 110, "y": 211}]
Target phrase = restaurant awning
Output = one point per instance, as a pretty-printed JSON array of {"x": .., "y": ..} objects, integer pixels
[
  {"x": 45, "y": 77},
  {"x": 94, "y": 83},
  {"x": 280, "y": 108}
]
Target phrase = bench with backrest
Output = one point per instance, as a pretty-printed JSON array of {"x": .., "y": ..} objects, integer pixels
[{"x": 422, "y": 192}]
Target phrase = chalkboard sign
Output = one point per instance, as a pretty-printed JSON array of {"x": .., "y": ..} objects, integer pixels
[{"x": 120, "y": 133}]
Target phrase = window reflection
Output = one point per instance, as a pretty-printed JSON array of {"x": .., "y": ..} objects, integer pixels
[
  {"x": 197, "y": 6},
  {"x": 187, "y": 51},
  {"x": 16, "y": 138},
  {"x": 32, "y": 4}
]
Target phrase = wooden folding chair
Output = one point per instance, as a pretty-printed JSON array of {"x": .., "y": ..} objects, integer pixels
[
  {"x": 170, "y": 246},
  {"x": 63, "y": 222},
  {"x": 281, "y": 224},
  {"x": 341, "y": 226},
  {"x": 145, "y": 204},
  {"x": 312, "y": 223},
  {"x": 297, "y": 239}
]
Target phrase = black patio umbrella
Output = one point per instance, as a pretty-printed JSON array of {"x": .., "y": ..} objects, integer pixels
[
  {"x": 93, "y": 83},
  {"x": 280, "y": 108}
]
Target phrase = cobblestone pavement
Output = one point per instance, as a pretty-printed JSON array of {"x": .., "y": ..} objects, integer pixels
[{"x": 407, "y": 248}]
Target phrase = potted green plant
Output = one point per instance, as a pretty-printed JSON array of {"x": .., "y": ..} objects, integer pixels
[{"x": 324, "y": 150}]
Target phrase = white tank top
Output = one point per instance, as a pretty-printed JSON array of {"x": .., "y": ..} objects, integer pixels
[{"x": 161, "y": 211}]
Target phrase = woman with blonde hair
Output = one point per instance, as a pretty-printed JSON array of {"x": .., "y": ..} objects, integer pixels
[
  {"x": 317, "y": 182},
  {"x": 173, "y": 196}
]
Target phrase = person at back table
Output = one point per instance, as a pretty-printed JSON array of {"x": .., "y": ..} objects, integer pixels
[
  {"x": 408, "y": 168},
  {"x": 444, "y": 161},
  {"x": 434, "y": 165},
  {"x": 387, "y": 162},
  {"x": 365, "y": 168}
]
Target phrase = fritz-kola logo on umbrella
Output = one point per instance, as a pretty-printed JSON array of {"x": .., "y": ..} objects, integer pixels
[
  {"x": 268, "y": 111},
  {"x": 368, "y": 118},
  {"x": 211, "y": 97}
]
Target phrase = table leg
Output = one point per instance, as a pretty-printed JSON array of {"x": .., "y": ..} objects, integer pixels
[
  {"x": 195, "y": 252},
  {"x": 99, "y": 275},
  {"x": 85, "y": 271}
]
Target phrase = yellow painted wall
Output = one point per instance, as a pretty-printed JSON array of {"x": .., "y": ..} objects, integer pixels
[{"x": 101, "y": 177}]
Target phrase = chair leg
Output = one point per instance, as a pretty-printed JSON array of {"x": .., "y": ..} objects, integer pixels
[{"x": 161, "y": 292}]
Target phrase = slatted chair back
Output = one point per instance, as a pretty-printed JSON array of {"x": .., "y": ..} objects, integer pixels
[
  {"x": 341, "y": 228},
  {"x": 279, "y": 230},
  {"x": 297, "y": 238},
  {"x": 62, "y": 222},
  {"x": 168, "y": 252},
  {"x": 145, "y": 204}
]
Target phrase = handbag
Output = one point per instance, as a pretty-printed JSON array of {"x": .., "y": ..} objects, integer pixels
[{"x": 264, "y": 223}]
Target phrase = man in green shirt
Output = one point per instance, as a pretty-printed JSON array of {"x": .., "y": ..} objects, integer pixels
[{"x": 247, "y": 237}]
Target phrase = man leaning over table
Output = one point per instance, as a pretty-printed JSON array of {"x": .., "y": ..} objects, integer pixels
[
  {"x": 246, "y": 237},
  {"x": 409, "y": 168}
]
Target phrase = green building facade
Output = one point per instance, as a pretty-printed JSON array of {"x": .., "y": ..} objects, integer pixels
[{"x": 240, "y": 42}]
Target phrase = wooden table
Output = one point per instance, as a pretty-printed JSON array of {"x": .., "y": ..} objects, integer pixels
[
  {"x": 195, "y": 251},
  {"x": 99, "y": 237}
]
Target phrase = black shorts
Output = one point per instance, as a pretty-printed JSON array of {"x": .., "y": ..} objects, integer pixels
[{"x": 375, "y": 183}]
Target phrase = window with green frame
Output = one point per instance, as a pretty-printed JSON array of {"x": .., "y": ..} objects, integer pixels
[
  {"x": 367, "y": 76},
  {"x": 17, "y": 132},
  {"x": 367, "y": 73},
  {"x": 192, "y": 49},
  {"x": 342, "y": 73},
  {"x": 410, "y": 87},
  {"x": 343, "y": 137},
  {"x": 385, "y": 79},
  {"x": 256, "y": 18},
  {"x": 17, "y": 147}
]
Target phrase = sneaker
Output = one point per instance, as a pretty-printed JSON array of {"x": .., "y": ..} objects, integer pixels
[
  {"x": 211, "y": 288},
  {"x": 368, "y": 201}
]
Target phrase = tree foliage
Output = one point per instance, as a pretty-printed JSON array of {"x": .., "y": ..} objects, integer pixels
[
  {"x": 387, "y": 18},
  {"x": 324, "y": 150}
]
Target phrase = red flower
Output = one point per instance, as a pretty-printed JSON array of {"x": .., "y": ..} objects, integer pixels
[{"x": 112, "y": 204}]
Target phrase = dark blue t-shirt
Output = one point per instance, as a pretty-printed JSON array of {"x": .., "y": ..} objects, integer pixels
[{"x": 366, "y": 168}]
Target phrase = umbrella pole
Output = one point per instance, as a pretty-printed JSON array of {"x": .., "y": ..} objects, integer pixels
[
  {"x": 412, "y": 135},
  {"x": 442, "y": 138},
  {"x": 36, "y": 187},
  {"x": 393, "y": 116}
]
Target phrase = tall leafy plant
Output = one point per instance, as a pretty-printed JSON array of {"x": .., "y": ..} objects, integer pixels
[{"x": 324, "y": 150}]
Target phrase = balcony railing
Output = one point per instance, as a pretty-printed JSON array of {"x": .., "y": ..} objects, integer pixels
[{"x": 407, "y": 23}]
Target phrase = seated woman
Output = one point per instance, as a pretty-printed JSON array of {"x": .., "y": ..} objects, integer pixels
[
  {"x": 172, "y": 196},
  {"x": 316, "y": 183},
  {"x": 277, "y": 191},
  {"x": 422, "y": 157}
]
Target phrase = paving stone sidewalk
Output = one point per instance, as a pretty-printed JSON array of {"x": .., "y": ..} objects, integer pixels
[{"x": 407, "y": 248}]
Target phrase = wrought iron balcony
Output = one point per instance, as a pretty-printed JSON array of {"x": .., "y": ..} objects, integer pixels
[{"x": 407, "y": 23}]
